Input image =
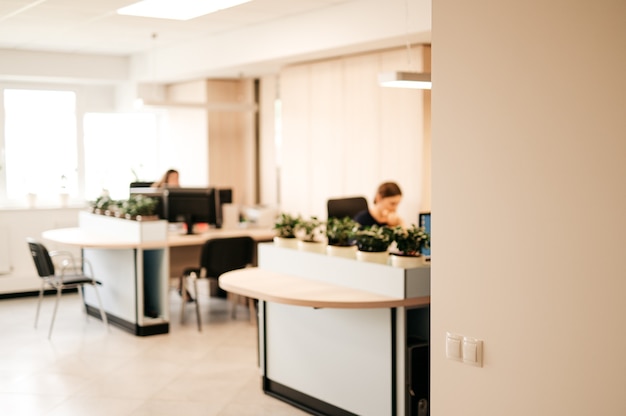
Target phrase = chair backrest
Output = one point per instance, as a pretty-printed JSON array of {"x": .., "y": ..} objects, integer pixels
[
  {"x": 221, "y": 255},
  {"x": 41, "y": 257},
  {"x": 346, "y": 207}
]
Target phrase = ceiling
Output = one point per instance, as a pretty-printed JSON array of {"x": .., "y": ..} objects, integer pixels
[{"x": 93, "y": 27}]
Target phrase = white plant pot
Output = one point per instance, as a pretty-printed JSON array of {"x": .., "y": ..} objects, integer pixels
[
  {"x": 64, "y": 199},
  {"x": 406, "y": 262},
  {"x": 380, "y": 257},
  {"x": 348, "y": 252},
  {"x": 286, "y": 242},
  {"x": 312, "y": 246},
  {"x": 31, "y": 199}
]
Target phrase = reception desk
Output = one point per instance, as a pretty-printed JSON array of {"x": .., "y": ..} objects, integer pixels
[
  {"x": 338, "y": 336},
  {"x": 133, "y": 260}
]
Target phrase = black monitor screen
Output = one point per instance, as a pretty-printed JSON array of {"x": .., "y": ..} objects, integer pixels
[{"x": 191, "y": 206}]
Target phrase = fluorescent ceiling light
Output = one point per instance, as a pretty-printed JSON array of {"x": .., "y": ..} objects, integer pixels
[
  {"x": 399, "y": 79},
  {"x": 177, "y": 10}
]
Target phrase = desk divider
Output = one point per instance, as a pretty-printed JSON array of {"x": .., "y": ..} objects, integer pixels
[
  {"x": 377, "y": 278},
  {"x": 124, "y": 229}
]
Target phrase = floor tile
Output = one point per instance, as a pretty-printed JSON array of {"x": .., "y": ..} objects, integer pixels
[{"x": 85, "y": 369}]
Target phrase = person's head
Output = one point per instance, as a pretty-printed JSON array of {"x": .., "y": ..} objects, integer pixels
[
  {"x": 388, "y": 196},
  {"x": 170, "y": 178}
]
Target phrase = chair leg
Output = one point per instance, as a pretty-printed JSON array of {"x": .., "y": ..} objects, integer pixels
[
  {"x": 103, "y": 314},
  {"x": 183, "y": 295},
  {"x": 233, "y": 299},
  {"x": 39, "y": 302},
  {"x": 252, "y": 309},
  {"x": 54, "y": 312},
  {"x": 195, "y": 288},
  {"x": 82, "y": 300}
]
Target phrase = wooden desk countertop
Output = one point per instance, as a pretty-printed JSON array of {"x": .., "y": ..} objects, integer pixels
[
  {"x": 291, "y": 290},
  {"x": 258, "y": 234},
  {"x": 89, "y": 239}
]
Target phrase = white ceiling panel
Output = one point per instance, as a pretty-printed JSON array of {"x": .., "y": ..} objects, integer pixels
[{"x": 92, "y": 26}]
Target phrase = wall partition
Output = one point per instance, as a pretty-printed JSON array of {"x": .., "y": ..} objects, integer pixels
[{"x": 343, "y": 134}]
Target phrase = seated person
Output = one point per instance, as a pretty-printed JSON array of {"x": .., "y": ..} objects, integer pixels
[
  {"x": 383, "y": 212},
  {"x": 169, "y": 180}
]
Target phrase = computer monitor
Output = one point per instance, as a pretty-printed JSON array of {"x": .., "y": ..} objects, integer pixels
[
  {"x": 189, "y": 205},
  {"x": 424, "y": 221},
  {"x": 192, "y": 206}
]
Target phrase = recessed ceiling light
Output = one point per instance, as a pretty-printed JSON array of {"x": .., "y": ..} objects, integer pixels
[{"x": 177, "y": 10}]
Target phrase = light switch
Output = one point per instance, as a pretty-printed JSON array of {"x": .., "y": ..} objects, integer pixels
[
  {"x": 472, "y": 351},
  {"x": 453, "y": 346}
]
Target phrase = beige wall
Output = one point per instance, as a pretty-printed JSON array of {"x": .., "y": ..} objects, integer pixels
[
  {"x": 212, "y": 123},
  {"x": 529, "y": 161},
  {"x": 343, "y": 134},
  {"x": 232, "y": 137},
  {"x": 268, "y": 172}
]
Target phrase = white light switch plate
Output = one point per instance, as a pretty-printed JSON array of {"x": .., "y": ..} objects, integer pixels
[
  {"x": 472, "y": 350},
  {"x": 453, "y": 346}
]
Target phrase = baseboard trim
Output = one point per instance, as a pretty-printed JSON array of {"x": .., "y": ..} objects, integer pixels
[
  {"x": 130, "y": 327},
  {"x": 301, "y": 400},
  {"x": 35, "y": 293}
]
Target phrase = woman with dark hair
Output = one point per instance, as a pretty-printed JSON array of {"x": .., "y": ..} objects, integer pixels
[
  {"x": 383, "y": 212},
  {"x": 169, "y": 180}
]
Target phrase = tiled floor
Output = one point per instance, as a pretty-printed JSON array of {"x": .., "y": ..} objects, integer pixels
[{"x": 83, "y": 370}]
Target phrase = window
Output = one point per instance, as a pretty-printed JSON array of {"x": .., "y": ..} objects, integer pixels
[
  {"x": 40, "y": 145},
  {"x": 119, "y": 149},
  {"x": 49, "y": 147}
]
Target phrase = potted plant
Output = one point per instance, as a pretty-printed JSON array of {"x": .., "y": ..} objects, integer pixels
[
  {"x": 340, "y": 233},
  {"x": 409, "y": 243},
  {"x": 309, "y": 233},
  {"x": 372, "y": 243},
  {"x": 105, "y": 205},
  {"x": 102, "y": 203},
  {"x": 140, "y": 207},
  {"x": 285, "y": 227}
]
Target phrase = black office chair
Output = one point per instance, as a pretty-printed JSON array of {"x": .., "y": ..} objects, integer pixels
[
  {"x": 72, "y": 276},
  {"x": 218, "y": 256},
  {"x": 346, "y": 207}
]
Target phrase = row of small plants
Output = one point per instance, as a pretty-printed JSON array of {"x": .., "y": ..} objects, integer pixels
[
  {"x": 347, "y": 232},
  {"x": 136, "y": 206}
]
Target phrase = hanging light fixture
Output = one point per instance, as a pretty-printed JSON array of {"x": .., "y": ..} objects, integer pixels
[
  {"x": 399, "y": 79},
  {"x": 405, "y": 79}
]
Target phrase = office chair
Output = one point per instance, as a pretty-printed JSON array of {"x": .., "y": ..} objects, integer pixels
[
  {"x": 72, "y": 276},
  {"x": 218, "y": 256},
  {"x": 346, "y": 207}
]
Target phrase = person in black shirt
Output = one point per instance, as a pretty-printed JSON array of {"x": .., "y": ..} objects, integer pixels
[{"x": 383, "y": 212}]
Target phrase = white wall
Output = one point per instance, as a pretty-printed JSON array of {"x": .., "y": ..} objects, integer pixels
[
  {"x": 15, "y": 227},
  {"x": 529, "y": 161},
  {"x": 184, "y": 145},
  {"x": 63, "y": 67}
]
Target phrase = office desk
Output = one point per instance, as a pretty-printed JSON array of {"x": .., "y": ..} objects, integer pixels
[
  {"x": 292, "y": 290},
  {"x": 337, "y": 336},
  {"x": 135, "y": 270},
  {"x": 134, "y": 276}
]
